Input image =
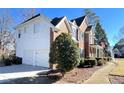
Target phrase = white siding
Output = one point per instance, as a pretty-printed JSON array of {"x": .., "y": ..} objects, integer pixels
[{"x": 31, "y": 42}]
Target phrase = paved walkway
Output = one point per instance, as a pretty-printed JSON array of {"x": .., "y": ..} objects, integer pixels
[
  {"x": 101, "y": 76},
  {"x": 19, "y": 71}
]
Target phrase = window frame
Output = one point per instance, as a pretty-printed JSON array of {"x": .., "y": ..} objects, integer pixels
[{"x": 19, "y": 33}]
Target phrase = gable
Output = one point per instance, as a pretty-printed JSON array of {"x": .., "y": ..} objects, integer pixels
[
  {"x": 78, "y": 20},
  {"x": 63, "y": 27},
  {"x": 84, "y": 25},
  {"x": 38, "y": 17},
  {"x": 56, "y": 20}
]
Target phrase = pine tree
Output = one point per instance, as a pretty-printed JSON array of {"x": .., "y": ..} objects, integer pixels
[{"x": 100, "y": 35}]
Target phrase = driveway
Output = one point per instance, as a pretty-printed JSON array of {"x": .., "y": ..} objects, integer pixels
[{"x": 8, "y": 73}]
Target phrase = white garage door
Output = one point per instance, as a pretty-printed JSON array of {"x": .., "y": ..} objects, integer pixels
[
  {"x": 28, "y": 57},
  {"x": 36, "y": 58},
  {"x": 41, "y": 58}
]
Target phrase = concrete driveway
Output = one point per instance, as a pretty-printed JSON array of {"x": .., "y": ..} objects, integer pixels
[{"x": 8, "y": 73}]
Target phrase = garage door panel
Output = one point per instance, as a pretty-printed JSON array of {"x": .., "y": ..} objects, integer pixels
[
  {"x": 41, "y": 58},
  {"x": 28, "y": 57}
]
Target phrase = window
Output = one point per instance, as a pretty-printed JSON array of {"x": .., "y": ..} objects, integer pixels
[
  {"x": 24, "y": 29},
  {"x": 81, "y": 35},
  {"x": 36, "y": 27},
  {"x": 77, "y": 34},
  {"x": 74, "y": 32},
  {"x": 19, "y": 34}
]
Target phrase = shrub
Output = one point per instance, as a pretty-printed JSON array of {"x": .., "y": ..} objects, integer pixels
[
  {"x": 7, "y": 62},
  {"x": 100, "y": 62},
  {"x": 53, "y": 55},
  {"x": 15, "y": 60},
  {"x": 98, "y": 58},
  {"x": 68, "y": 52},
  {"x": 106, "y": 59},
  {"x": 4, "y": 59},
  {"x": 81, "y": 62},
  {"x": 90, "y": 62}
]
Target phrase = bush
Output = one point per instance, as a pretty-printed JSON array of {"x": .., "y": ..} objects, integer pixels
[
  {"x": 100, "y": 62},
  {"x": 4, "y": 59},
  {"x": 15, "y": 60},
  {"x": 7, "y": 62},
  {"x": 106, "y": 59},
  {"x": 53, "y": 55},
  {"x": 81, "y": 62},
  {"x": 98, "y": 58},
  {"x": 68, "y": 56},
  {"x": 90, "y": 62}
]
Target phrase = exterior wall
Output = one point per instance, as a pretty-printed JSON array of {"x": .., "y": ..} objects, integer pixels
[
  {"x": 62, "y": 28},
  {"x": 74, "y": 31},
  {"x": 33, "y": 44},
  {"x": 86, "y": 44},
  {"x": 91, "y": 37},
  {"x": 82, "y": 29},
  {"x": 81, "y": 37},
  {"x": 89, "y": 41}
]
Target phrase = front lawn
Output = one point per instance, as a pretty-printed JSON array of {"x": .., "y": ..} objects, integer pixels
[{"x": 119, "y": 69}]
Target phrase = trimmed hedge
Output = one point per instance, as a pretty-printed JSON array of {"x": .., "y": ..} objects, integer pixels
[
  {"x": 87, "y": 62},
  {"x": 90, "y": 62},
  {"x": 81, "y": 62},
  {"x": 100, "y": 62}
]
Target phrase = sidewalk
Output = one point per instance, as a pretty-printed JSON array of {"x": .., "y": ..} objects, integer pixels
[{"x": 101, "y": 76}]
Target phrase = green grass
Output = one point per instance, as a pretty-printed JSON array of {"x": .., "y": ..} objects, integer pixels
[{"x": 119, "y": 69}]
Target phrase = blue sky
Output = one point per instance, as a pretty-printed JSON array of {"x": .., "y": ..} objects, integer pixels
[{"x": 112, "y": 19}]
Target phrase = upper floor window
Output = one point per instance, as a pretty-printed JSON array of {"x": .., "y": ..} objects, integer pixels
[
  {"x": 25, "y": 29},
  {"x": 36, "y": 27},
  {"x": 91, "y": 39},
  {"x": 74, "y": 32},
  {"x": 77, "y": 34},
  {"x": 19, "y": 34},
  {"x": 81, "y": 35}
]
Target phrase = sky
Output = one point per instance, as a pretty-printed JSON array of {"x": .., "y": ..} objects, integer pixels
[{"x": 112, "y": 19}]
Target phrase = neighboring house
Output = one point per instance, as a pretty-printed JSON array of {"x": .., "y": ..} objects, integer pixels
[
  {"x": 116, "y": 52},
  {"x": 35, "y": 35}
]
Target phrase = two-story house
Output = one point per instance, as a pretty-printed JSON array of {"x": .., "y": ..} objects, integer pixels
[{"x": 35, "y": 35}]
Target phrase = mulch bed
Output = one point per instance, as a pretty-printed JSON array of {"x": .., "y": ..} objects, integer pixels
[
  {"x": 116, "y": 79},
  {"x": 78, "y": 75}
]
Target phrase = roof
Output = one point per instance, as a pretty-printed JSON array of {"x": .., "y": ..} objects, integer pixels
[
  {"x": 31, "y": 18},
  {"x": 56, "y": 20},
  {"x": 78, "y": 20},
  {"x": 89, "y": 28}
]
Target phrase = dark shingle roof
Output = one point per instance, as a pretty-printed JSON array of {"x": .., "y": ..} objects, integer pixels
[
  {"x": 89, "y": 28},
  {"x": 31, "y": 18},
  {"x": 78, "y": 20},
  {"x": 56, "y": 20}
]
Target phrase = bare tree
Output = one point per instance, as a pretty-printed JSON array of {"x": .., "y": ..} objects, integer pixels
[
  {"x": 93, "y": 19},
  {"x": 6, "y": 38},
  {"x": 119, "y": 35},
  {"x": 27, "y": 13}
]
